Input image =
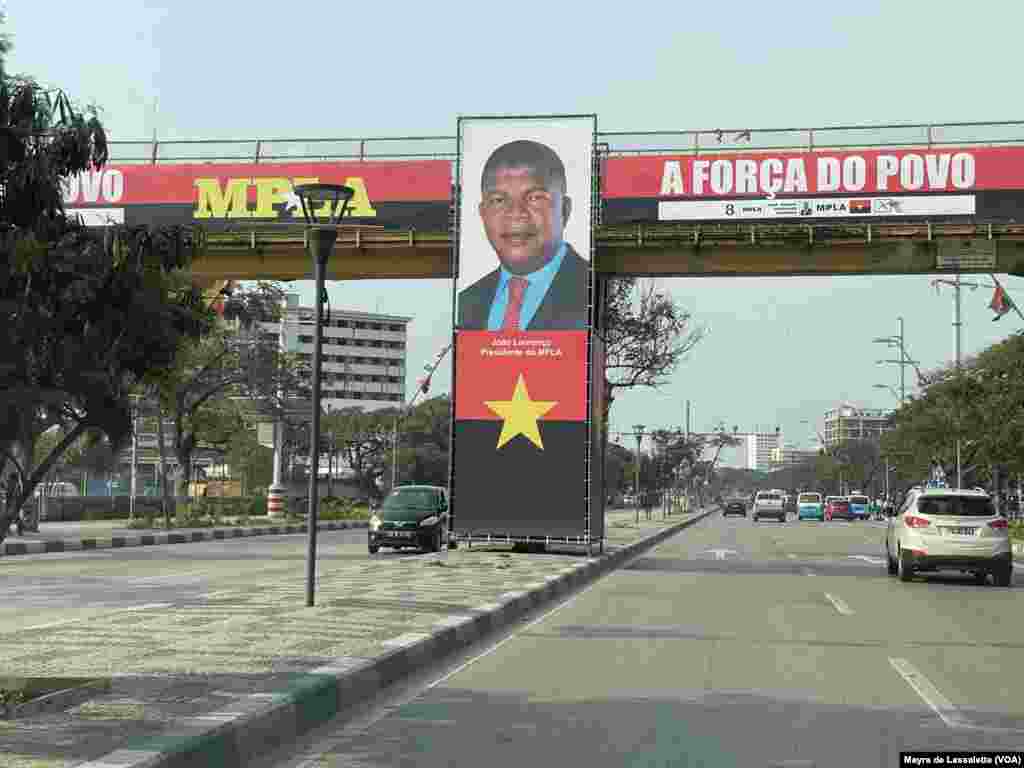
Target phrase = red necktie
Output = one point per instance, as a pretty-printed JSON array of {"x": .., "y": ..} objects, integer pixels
[{"x": 516, "y": 290}]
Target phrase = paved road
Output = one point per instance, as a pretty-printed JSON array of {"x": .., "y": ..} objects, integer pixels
[
  {"x": 732, "y": 644},
  {"x": 56, "y": 587}
]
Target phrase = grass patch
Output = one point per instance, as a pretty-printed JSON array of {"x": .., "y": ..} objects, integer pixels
[
  {"x": 1016, "y": 528},
  {"x": 15, "y": 691}
]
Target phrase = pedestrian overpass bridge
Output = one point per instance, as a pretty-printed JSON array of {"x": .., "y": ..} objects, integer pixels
[{"x": 629, "y": 165}]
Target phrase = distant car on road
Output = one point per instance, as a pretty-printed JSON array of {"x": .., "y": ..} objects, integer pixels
[
  {"x": 735, "y": 506},
  {"x": 945, "y": 529},
  {"x": 837, "y": 508},
  {"x": 411, "y": 516},
  {"x": 61, "y": 489},
  {"x": 859, "y": 506},
  {"x": 769, "y": 504},
  {"x": 810, "y": 507}
]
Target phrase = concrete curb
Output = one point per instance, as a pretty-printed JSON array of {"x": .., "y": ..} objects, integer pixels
[
  {"x": 61, "y": 700},
  {"x": 151, "y": 539},
  {"x": 253, "y": 725},
  {"x": 1018, "y": 547}
]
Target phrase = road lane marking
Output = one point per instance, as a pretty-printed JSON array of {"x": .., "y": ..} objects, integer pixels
[
  {"x": 721, "y": 553},
  {"x": 931, "y": 695},
  {"x": 839, "y": 605},
  {"x": 868, "y": 559}
]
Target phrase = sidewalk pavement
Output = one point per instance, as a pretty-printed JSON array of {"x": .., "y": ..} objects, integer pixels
[
  {"x": 215, "y": 680},
  {"x": 68, "y": 537}
]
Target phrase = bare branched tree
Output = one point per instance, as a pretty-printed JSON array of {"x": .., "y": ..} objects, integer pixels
[{"x": 647, "y": 334}]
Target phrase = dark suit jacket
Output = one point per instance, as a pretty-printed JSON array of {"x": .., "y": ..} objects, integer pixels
[{"x": 564, "y": 307}]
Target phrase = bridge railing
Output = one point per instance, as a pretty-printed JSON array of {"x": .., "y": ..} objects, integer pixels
[
  {"x": 810, "y": 139},
  {"x": 704, "y": 141}
]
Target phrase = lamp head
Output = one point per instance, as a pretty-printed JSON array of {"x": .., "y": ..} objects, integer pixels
[{"x": 335, "y": 196}]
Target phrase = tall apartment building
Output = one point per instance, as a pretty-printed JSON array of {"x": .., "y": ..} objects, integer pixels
[
  {"x": 363, "y": 353},
  {"x": 849, "y": 422},
  {"x": 788, "y": 455},
  {"x": 759, "y": 447},
  {"x": 363, "y": 365}
]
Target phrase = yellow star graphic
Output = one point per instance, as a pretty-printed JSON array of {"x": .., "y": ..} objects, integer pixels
[{"x": 520, "y": 415}]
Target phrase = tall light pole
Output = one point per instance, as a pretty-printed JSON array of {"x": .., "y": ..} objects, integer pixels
[
  {"x": 135, "y": 453},
  {"x": 957, "y": 284},
  {"x": 638, "y": 433},
  {"x": 332, "y": 199},
  {"x": 898, "y": 342},
  {"x": 330, "y": 458},
  {"x": 888, "y": 387}
]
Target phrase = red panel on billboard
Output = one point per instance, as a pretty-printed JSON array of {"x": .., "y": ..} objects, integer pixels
[
  {"x": 412, "y": 181},
  {"x": 868, "y": 171},
  {"x": 551, "y": 364}
]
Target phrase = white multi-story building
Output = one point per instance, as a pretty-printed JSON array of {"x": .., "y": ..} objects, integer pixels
[
  {"x": 850, "y": 422},
  {"x": 363, "y": 364},
  {"x": 363, "y": 354},
  {"x": 759, "y": 447},
  {"x": 788, "y": 455}
]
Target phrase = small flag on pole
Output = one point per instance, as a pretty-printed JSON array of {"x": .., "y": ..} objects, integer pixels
[{"x": 1000, "y": 304}]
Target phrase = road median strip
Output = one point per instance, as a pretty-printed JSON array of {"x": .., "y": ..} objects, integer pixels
[
  {"x": 250, "y": 726},
  {"x": 10, "y": 548}
]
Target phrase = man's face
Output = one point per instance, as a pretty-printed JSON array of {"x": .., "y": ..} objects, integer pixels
[{"x": 523, "y": 220}]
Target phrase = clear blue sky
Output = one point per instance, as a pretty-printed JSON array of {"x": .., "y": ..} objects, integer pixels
[{"x": 781, "y": 350}]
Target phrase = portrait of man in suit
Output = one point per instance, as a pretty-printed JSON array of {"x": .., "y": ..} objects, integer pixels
[{"x": 540, "y": 282}]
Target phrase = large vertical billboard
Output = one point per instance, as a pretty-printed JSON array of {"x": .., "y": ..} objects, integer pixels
[{"x": 522, "y": 324}]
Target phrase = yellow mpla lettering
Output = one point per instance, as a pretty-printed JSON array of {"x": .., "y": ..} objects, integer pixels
[
  {"x": 270, "y": 192},
  {"x": 360, "y": 205},
  {"x": 212, "y": 202}
]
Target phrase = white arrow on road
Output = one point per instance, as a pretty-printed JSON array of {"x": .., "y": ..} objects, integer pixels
[
  {"x": 721, "y": 553},
  {"x": 868, "y": 559}
]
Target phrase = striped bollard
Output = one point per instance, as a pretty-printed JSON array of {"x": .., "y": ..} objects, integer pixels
[{"x": 275, "y": 501}]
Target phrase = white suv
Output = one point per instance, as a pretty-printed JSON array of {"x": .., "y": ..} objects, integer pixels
[{"x": 949, "y": 529}]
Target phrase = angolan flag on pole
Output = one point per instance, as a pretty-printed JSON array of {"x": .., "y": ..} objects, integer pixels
[{"x": 1000, "y": 304}]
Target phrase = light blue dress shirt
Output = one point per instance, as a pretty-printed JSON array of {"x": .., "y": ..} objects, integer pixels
[{"x": 539, "y": 284}]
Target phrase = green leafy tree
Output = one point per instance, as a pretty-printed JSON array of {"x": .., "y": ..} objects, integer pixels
[
  {"x": 250, "y": 462},
  {"x": 234, "y": 374},
  {"x": 85, "y": 314},
  {"x": 364, "y": 441},
  {"x": 617, "y": 462},
  {"x": 424, "y": 443}
]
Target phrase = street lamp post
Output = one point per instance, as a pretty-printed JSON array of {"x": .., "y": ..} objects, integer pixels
[
  {"x": 898, "y": 342},
  {"x": 320, "y": 240},
  {"x": 638, "y": 432},
  {"x": 957, "y": 284},
  {"x": 330, "y": 458},
  {"x": 135, "y": 454}
]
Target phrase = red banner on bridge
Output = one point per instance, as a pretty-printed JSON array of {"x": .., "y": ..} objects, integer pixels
[
  {"x": 860, "y": 172},
  {"x": 984, "y": 183},
  {"x": 413, "y": 193}
]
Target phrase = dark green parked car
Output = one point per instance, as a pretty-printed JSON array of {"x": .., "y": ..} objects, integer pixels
[{"x": 411, "y": 516}]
